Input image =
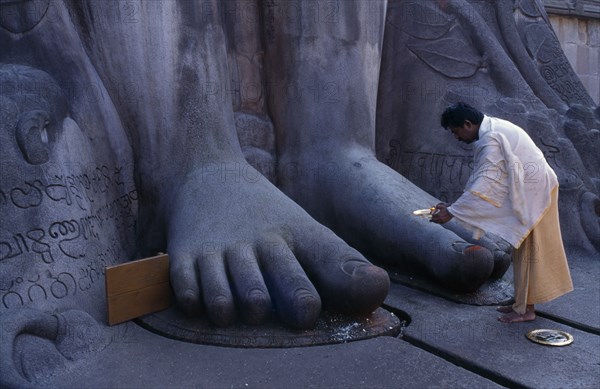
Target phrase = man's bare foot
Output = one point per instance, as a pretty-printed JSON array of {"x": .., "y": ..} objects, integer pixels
[
  {"x": 514, "y": 317},
  {"x": 505, "y": 309}
]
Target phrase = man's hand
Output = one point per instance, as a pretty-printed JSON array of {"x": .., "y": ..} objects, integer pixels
[{"x": 441, "y": 214}]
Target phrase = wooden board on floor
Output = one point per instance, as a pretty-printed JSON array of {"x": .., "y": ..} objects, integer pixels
[{"x": 134, "y": 289}]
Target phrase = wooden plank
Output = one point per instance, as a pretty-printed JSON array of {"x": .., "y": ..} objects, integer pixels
[
  {"x": 135, "y": 275},
  {"x": 138, "y": 303},
  {"x": 137, "y": 288}
]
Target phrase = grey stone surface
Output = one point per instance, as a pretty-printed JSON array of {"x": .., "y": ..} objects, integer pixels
[
  {"x": 471, "y": 336},
  {"x": 147, "y": 360},
  {"x": 582, "y": 305},
  {"x": 125, "y": 131},
  {"x": 446, "y": 344}
]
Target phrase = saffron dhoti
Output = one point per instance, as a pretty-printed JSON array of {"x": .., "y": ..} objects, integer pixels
[{"x": 540, "y": 266}]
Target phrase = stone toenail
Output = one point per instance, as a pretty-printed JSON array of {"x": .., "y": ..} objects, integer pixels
[
  {"x": 188, "y": 296},
  {"x": 302, "y": 294},
  {"x": 220, "y": 301},
  {"x": 353, "y": 266},
  {"x": 256, "y": 294}
]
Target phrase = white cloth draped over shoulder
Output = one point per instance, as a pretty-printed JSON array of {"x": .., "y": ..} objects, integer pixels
[{"x": 510, "y": 187}]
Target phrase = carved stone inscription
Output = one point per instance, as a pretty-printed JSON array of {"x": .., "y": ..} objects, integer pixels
[
  {"x": 81, "y": 217},
  {"x": 445, "y": 175},
  {"x": 441, "y": 175}
]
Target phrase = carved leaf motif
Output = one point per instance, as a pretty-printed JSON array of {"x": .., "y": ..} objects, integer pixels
[
  {"x": 540, "y": 43},
  {"x": 450, "y": 57},
  {"x": 533, "y": 40},
  {"x": 418, "y": 20},
  {"x": 530, "y": 8}
]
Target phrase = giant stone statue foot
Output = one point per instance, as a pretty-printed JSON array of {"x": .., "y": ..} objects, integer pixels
[
  {"x": 239, "y": 246},
  {"x": 370, "y": 206}
]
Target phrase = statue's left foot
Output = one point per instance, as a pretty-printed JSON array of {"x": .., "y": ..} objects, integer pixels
[{"x": 371, "y": 207}]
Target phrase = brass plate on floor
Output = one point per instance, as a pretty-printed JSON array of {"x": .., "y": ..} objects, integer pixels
[{"x": 550, "y": 337}]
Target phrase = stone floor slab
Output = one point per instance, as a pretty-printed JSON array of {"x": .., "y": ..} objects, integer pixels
[
  {"x": 144, "y": 359},
  {"x": 472, "y": 337},
  {"x": 446, "y": 344},
  {"x": 581, "y": 307}
]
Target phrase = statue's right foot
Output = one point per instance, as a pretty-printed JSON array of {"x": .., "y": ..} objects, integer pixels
[{"x": 239, "y": 246}]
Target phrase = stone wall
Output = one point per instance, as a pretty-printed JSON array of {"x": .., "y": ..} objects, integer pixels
[{"x": 577, "y": 25}]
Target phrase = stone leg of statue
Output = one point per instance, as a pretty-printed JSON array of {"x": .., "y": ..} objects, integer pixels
[
  {"x": 322, "y": 78},
  {"x": 237, "y": 245}
]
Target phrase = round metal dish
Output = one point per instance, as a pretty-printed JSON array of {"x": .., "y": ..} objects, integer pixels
[{"x": 546, "y": 337}]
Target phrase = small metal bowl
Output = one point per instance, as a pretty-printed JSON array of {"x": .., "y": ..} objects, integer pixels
[{"x": 547, "y": 337}]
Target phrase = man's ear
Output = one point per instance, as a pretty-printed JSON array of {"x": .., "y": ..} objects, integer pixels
[{"x": 32, "y": 136}]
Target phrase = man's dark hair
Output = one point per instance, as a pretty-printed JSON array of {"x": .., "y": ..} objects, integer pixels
[{"x": 455, "y": 115}]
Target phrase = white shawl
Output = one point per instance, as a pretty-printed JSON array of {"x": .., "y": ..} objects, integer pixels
[{"x": 510, "y": 187}]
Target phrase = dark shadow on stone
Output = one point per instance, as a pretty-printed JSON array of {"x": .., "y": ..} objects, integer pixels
[{"x": 492, "y": 292}]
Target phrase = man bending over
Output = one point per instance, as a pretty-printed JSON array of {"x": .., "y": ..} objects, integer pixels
[{"x": 512, "y": 192}]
